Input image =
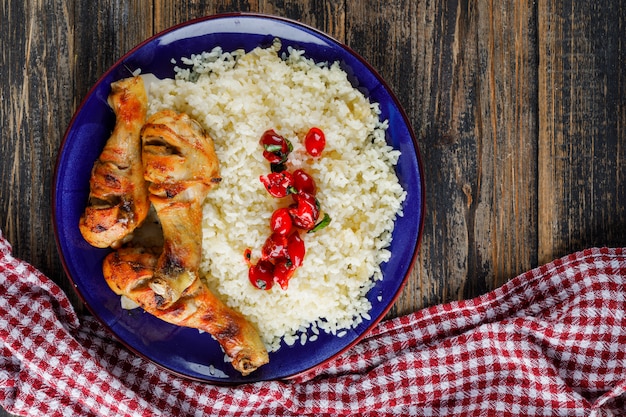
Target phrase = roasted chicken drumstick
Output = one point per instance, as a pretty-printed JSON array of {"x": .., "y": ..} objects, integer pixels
[
  {"x": 180, "y": 164},
  {"x": 128, "y": 271},
  {"x": 118, "y": 197}
]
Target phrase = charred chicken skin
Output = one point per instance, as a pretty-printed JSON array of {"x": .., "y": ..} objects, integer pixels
[
  {"x": 181, "y": 166},
  {"x": 118, "y": 198},
  {"x": 129, "y": 271}
]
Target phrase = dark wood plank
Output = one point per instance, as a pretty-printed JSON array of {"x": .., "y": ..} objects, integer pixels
[
  {"x": 36, "y": 55},
  {"x": 503, "y": 233},
  {"x": 582, "y": 101},
  {"x": 104, "y": 31},
  {"x": 325, "y": 15},
  {"x": 168, "y": 13}
]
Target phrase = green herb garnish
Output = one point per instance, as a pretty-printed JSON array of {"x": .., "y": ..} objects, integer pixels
[{"x": 322, "y": 224}]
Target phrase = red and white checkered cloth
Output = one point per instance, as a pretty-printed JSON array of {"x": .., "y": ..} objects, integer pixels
[{"x": 551, "y": 342}]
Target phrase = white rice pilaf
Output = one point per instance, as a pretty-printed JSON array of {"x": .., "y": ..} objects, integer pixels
[{"x": 237, "y": 96}]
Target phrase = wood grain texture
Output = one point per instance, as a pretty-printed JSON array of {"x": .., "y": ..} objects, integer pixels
[
  {"x": 325, "y": 15},
  {"x": 36, "y": 42},
  {"x": 106, "y": 30},
  {"x": 168, "y": 13},
  {"x": 519, "y": 109},
  {"x": 582, "y": 152}
]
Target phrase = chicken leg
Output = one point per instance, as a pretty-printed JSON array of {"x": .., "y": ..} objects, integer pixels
[
  {"x": 118, "y": 198},
  {"x": 180, "y": 164},
  {"x": 128, "y": 271}
]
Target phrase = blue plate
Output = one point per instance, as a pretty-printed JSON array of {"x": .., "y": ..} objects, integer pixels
[{"x": 183, "y": 351}]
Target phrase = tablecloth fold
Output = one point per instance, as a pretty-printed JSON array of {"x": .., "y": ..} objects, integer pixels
[{"x": 550, "y": 342}]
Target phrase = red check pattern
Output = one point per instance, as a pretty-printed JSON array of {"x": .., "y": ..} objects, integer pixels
[{"x": 551, "y": 342}]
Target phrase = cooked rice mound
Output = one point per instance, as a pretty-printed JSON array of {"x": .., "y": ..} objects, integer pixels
[{"x": 236, "y": 96}]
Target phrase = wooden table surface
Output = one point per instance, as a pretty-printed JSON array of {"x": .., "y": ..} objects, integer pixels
[{"x": 518, "y": 106}]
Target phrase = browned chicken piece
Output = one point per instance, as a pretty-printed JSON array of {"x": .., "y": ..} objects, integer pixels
[
  {"x": 128, "y": 271},
  {"x": 118, "y": 196},
  {"x": 180, "y": 164}
]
